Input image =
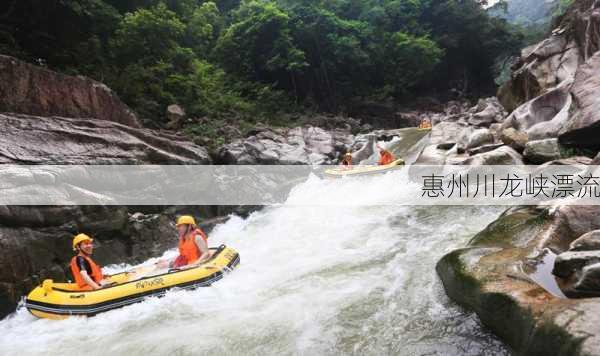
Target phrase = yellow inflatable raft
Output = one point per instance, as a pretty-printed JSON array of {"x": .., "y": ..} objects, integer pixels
[
  {"x": 61, "y": 300},
  {"x": 363, "y": 170}
]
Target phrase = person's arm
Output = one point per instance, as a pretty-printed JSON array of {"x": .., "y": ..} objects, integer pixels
[
  {"x": 203, "y": 247},
  {"x": 90, "y": 282},
  {"x": 163, "y": 264}
]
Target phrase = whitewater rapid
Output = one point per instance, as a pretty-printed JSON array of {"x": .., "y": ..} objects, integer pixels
[{"x": 314, "y": 279}]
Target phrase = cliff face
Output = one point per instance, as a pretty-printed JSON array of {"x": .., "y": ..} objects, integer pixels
[
  {"x": 29, "y": 89},
  {"x": 555, "y": 88}
]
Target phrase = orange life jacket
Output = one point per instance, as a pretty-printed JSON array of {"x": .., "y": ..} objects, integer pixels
[
  {"x": 386, "y": 157},
  {"x": 188, "y": 248},
  {"x": 96, "y": 273}
]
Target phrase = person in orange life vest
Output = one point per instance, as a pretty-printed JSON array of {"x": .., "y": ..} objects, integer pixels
[
  {"x": 87, "y": 274},
  {"x": 347, "y": 161},
  {"x": 385, "y": 156},
  {"x": 193, "y": 243},
  {"x": 425, "y": 124}
]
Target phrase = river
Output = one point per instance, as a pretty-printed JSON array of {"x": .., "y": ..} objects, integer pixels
[{"x": 313, "y": 280}]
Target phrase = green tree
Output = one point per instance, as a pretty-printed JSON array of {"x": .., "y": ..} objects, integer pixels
[
  {"x": 147, "y": 52},
  {"x": 258, "y": 45},
  {"x": 204, "y": 28},
  {"x": 147, "y": 36},
  {"x": 409, "y": 60}
]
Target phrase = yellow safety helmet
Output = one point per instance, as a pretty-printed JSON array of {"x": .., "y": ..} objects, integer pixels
[
  {"x": 185, "y": 220},
  {"x": 80, "y": 238}
]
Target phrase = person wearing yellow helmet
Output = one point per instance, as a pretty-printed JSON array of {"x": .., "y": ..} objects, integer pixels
[
  {"x": 87, "y": 273},
  {"x": 193, "y": 244},
  {"x": 347, "y": 160}
]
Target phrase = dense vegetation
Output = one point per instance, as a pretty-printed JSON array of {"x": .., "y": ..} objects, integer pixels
[{"x": 245, "y": 59}]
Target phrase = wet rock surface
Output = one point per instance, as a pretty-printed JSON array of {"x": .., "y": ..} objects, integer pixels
[{"x": 487, "y": 276}]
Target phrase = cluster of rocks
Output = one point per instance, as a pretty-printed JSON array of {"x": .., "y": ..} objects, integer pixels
[
  {"x": 299, "y": 145},
  {"x": 554, "y": 100},
  {"x": 488, "y": 276},
  {"x": 480, "y": 135}
]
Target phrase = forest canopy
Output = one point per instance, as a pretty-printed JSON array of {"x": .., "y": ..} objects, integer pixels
[{"x": 243, "y": 58}]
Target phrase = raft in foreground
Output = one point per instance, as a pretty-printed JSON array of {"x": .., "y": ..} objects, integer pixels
[
  {"x": 363, "y": 170},
  {"x": 61, "y": 300}
]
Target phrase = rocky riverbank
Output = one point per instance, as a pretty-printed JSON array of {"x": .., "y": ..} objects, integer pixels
[{"x": 555, "y": 95}]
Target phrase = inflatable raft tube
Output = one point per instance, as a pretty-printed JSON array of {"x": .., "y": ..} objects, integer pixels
[
  {"x": 61, "y": 300},
  {"x": 363, "y": 170}
]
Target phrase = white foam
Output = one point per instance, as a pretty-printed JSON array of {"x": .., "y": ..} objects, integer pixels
[{"x": 312, "y": 280}]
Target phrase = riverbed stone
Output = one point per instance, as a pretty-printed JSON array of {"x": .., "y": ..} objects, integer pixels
[
  {"x": 480, "y": 137},
  {"x": 515, "y": 139},
  {"x": 587, "y": 242},
  {"x": 541, "y": 151},
  {"x": 487, "y": 112},
  {"x": 503, "y": 155},
  {"x": 570, "y": 262},
  {"x": 175, "y": 116}
]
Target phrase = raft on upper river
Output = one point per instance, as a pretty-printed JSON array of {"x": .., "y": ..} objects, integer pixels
[{"x": 363, "y": 170}]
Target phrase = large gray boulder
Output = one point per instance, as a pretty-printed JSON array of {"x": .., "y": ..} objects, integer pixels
[
  {"x": 487, "y": 112},
  {"x": 542, "y": 151},
  {"x": 570, "y": 262},
  {"x": 544, "y": 116},
  {"x": 515, "y": 139},
  {"x": 500, "y": 156},
  {"x": 587, "y": 242},
  {"x": 480, "y": 137},
  {"x": 447, "y": 134}
]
